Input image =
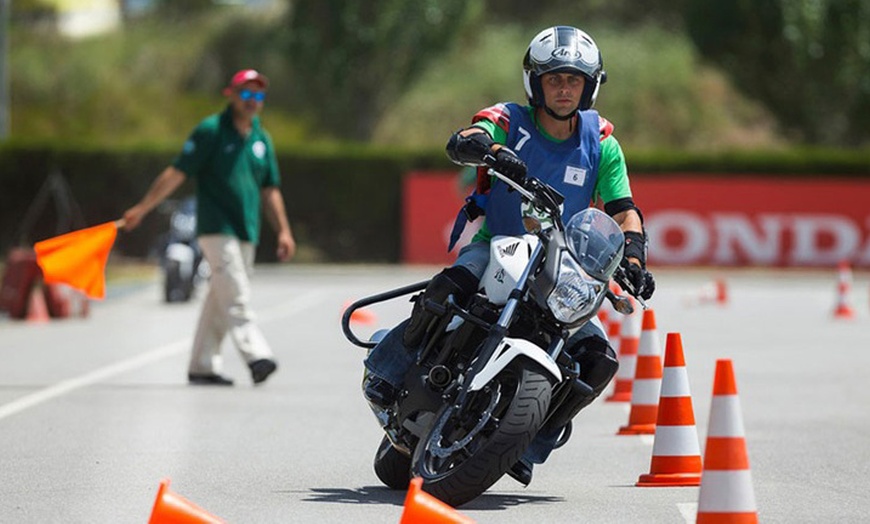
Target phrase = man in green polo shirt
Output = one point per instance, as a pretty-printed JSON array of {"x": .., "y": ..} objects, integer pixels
[{"x": 232, "y": 159}]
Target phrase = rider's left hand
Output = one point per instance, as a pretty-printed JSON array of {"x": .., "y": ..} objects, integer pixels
[{"x": 642, "y": 280}]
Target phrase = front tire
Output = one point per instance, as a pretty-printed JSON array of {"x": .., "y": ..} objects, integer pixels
[
  {"x": 392, "y": 467},
  {"x": 464, "y": 454}
]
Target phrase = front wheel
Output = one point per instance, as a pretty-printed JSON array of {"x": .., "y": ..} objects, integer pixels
[
  {"x": 392, "y": 467},
  {"x": 469, "y": 449}
]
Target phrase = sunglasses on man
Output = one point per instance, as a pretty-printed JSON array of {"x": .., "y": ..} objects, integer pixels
[{"x": 247, "y": 94}]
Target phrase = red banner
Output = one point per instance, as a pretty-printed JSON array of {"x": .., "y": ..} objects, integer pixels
[
  {"x": 431, "y": 201},
  {"x": 755, "y": 220},
  {"x": 691, "y": 219}
]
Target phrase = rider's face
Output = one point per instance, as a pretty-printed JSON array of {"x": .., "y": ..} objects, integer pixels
[{"x": 562, "y": 91}]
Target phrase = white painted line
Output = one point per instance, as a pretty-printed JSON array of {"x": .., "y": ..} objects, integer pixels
[
  {"x": 290, "y": 308},
  {"x": 298, "y": 304},
  {"x": 689, "y": 511},
  {"x": 66, "y": 386}
]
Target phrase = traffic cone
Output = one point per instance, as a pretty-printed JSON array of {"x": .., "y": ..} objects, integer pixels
[
  {"x": 613, "y": 339},
  {"x": 715, "y": 292},
  {"x": 844, "y": 287},
  {"x": 676, "y": 456},
  {"x": 361, "y": 315},
  {"x": 721, "y": 292},
  {"x": 647, "y": 381},
  {"x": 170, "y": 508},
  {"x": 628, "y": 341},
  {"x": 726, "y": 493},
  {"x": 37, "y": 309},
  {"x": 604, "y": 314},
  {"x": 423, "y": 508}
]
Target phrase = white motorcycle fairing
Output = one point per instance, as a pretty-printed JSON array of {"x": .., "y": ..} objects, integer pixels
[
  {"x": 184, "y": 255},
  {"x": 508, "y": 350},
  {"x": 508, "y": 258}
]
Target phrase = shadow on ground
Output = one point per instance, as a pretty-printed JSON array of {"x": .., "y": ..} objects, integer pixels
[{"x": 382, "y": 495}]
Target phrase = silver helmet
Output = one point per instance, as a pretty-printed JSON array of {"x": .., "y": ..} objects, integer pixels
[{"x": 563, "y": 49}]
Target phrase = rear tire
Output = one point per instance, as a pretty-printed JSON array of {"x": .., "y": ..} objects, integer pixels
[
  {"x": 173, "y": 287},
  {"x": 459, "y": 476},
  {"x": 392, "y": 467}
]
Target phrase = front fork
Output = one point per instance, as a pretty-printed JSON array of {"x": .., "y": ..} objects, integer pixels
[{"x": 499, "y": 331}]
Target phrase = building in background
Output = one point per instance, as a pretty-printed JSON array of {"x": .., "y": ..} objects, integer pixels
[
  {"x": 80, "y": 18},
  {"x": 83, "y": 18}
]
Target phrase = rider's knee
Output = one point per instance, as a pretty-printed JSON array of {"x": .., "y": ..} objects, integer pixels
[
  {"x": 598, "y": 363},
  {"x": 457, "y": 281}
]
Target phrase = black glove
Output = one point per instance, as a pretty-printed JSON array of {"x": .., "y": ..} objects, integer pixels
[
  {"x": 642, "y": 280},
  {"x": 510, "y": 165}
]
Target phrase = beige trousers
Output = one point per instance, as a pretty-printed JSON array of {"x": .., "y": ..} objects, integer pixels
[{"x": 227, "y": 309}]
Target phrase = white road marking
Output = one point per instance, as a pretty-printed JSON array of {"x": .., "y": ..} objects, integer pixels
[
  {"x": 286, "y": 309},
  {"x": 689, "y": 511},
  {"x": 66, "y": 386}
]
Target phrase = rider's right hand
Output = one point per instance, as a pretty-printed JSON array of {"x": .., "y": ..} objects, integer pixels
[{"x": 510, "y": 165}]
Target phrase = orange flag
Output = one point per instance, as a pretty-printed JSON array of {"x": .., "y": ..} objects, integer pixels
[{"x": 78, "y": 258}]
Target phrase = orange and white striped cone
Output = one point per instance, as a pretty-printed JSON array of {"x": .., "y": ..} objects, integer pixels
[
  {"x": 604, "y": 314},
  {"x": 423, "y": 508},
  {"x": 844, "y": 287},
  {"x": 716, "y": 293},
  {"x": 626, "y": 353},
  {"x": 676, "y": 456},
  {"x": 647, "y": 383},
  {"x": 614, "y": 341},
  {"x": 721, "y": 292},
  {"x": 726, "y": 494}
]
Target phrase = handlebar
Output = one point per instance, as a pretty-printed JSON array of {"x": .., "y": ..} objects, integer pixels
[{"x": 538, "y": 193}]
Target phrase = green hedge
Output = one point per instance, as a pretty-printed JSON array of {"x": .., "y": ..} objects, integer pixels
[{"x": 344, "y": 202}]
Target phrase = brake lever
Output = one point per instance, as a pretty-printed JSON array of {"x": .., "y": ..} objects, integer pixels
[
  {"x": 624, "y": 283},
  {"x": 620, "y": 304}
]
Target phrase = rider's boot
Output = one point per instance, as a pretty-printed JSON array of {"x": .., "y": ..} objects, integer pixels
[
  {"x": 521, "y": 472},
  {"x": 380, "y": 392},
  {"x": 456, "y": 281}
]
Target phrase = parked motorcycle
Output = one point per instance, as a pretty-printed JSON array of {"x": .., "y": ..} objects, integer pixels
[
  {"x": 494, "y": 373},
  {"x": 182, "y": 262}
]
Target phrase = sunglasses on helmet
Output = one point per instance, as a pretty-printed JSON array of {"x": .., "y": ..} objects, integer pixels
[{"x": 247, "y": 94}]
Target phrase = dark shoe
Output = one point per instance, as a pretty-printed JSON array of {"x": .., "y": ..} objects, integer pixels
[
  {"x": 208, "y": 379},
  {"x": 380, "y": 393},
  {"x": 521, "y": 472},
  {"x": 261, "y": 369}
]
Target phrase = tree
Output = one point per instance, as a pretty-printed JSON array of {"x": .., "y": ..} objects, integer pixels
[
  {"x": 808, "y": 61},
  {"x": 352, "y": 59}
]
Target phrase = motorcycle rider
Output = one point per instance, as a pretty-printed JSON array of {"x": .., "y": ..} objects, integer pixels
[{"x": 563, "y": 142}]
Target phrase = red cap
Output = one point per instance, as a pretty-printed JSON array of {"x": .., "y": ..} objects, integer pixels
[{"x": 244, "y": 76}]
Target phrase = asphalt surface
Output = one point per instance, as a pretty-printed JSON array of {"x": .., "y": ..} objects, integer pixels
[{"x": 95, "y": 412}]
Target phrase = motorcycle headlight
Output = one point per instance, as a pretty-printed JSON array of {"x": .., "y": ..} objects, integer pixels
[{"x": 575, "y": 292}]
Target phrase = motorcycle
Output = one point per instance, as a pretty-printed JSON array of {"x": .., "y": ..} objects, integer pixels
[
  {"x": 494, "y": 372},
  {"x": 182, "y": 261}
]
